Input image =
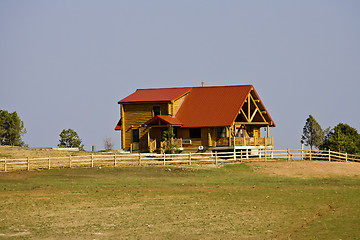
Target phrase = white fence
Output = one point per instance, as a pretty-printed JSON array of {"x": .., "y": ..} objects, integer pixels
[
  {"x": 321, "y": 155},
  {"x": 113, "y": 159}
]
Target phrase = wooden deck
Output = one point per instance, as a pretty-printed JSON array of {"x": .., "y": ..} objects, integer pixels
[
  {"x": 244, "y": 141},
  {"x": 220, "y": 142}
]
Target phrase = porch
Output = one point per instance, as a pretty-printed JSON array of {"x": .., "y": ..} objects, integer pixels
[
  {"x": 220, "y": 142},
  {"x": 244, "y": 141},
  {"x": 225, "y": 142},
  {"x": 164, "y": 144}
]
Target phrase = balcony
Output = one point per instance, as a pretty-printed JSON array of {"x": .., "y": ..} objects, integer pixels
[{"x": 244, "y": 141}]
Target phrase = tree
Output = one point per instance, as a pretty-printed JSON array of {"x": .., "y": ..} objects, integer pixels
[
  {"x": 69, "y": 138},
  {"x": 327, "y": 134},
  {"x": 169, "y": 137},
  {"x": 313, "y": 135},
  {"x": 343, "y": 138},
  {"x": 11, "y": 129},
  {"x": 108, "y": 143}
]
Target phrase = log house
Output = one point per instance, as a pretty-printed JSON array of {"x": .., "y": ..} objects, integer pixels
[{"x": 216, "y": 118}]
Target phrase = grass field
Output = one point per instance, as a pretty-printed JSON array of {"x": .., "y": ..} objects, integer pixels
[
  {"x": 23, "y": 152},
  {"x": 196, "y": 202}
]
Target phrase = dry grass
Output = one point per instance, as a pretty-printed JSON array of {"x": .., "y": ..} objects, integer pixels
[
  {"x": 308, "y": 169},
  {"x": 230, "y": 202},
  {"x": 23, "y": 152}
]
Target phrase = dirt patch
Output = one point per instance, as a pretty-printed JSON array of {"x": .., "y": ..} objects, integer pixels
[{"x": 308, "y": 168}]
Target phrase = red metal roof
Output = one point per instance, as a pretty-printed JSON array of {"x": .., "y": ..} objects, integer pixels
[
  {"x": 212, "y": 106},
  {"x": 164, "y": 118},
  {"x": 202, "y": 107},
  {"x": 118, "y": 126},
  {"x": 155, "y": 95}
]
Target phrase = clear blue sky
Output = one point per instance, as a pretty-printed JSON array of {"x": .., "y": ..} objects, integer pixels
[{"x": 65, "y": 64}]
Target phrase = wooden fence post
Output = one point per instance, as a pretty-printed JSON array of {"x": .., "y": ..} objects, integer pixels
[
  {"x": 247, "y": 153},
  {"x": 92, "y": 160},
  {"x": 115, "y": 159},
  {"x": 189, "y": 158},
  {"x": 329, "y": 155},
  {"x": 28, "y": 163},
  {"x": 288, "y": 154},
  {"x": 164, "y": 158},
  {"x": 234, "y": 153},
  {"x": 70, "y": 161},
  {"x": 265, "y": 153},
  {"x": 215, "y": 158},
  {"x": 49, "y": 163},
  {"x": 310, "y": 154},
  {"x": 259, "y": 152},
  {"x": 139, "y": 158},
  {"x": 265, "y": 149},
  {"x": 5, "y": 166},
  {"x": 346, "y": 157},
  {"x": 272, "y": 153}
]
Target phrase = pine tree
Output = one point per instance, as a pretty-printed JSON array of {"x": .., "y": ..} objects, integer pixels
[
  {"x": 313, "y": 135},
  {"x": 69, "y": 138},
  {"x": 169, "y": 137}
]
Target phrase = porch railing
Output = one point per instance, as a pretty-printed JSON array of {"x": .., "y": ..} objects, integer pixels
[
  {"x": 177, "y": 142},
  {"x": 134, "y": 146},
  {"x": 245, "y": 141},
  {"x": 152, "y": 145}
]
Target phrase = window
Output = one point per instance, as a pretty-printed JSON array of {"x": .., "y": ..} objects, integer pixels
[
  {"x": 136, "y": 134},
  {"x": 195, "y": 132},
  {"x": 156, "y": 110},
  {"x": 221, "y": 132}
]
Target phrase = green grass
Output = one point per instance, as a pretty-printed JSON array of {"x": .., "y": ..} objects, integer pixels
[{"x": 231, "y": 202}]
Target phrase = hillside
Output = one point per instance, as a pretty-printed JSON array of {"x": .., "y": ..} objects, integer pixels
[{"x": 22, "y": 152}]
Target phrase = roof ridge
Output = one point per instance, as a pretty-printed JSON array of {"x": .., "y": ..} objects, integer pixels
[
  {"x": 155, "y": 95},
  {"x": 164, "y": 88},
  {"x": 245, "y": 85}
]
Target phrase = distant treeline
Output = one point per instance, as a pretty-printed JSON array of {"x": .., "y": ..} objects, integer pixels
[{"x": 341, "y": 138}]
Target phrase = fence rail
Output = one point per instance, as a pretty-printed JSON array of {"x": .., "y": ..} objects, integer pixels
[{"x": 115, "y": 159}]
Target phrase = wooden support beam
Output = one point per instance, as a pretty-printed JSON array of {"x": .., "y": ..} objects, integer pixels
[
  {"x": 253, "y": 123},
  {"x": 253, "y": 115},
  {"x": 249, "y": 106},
  {"x": 122, "y": 110},
  {"x": 242, "y": 111},
  {"x": 257, "y": 107}
]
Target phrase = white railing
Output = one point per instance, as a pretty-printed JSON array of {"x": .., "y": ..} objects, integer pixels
[{"x": 117, "y": 160}]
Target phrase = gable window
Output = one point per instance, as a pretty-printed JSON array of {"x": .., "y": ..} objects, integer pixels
[
  {"x": 156, "y": 110},
  {"x": 135, "y": 133},
  {"x": 221, "y": 132},
  {"x": 195, "y": 132}
]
